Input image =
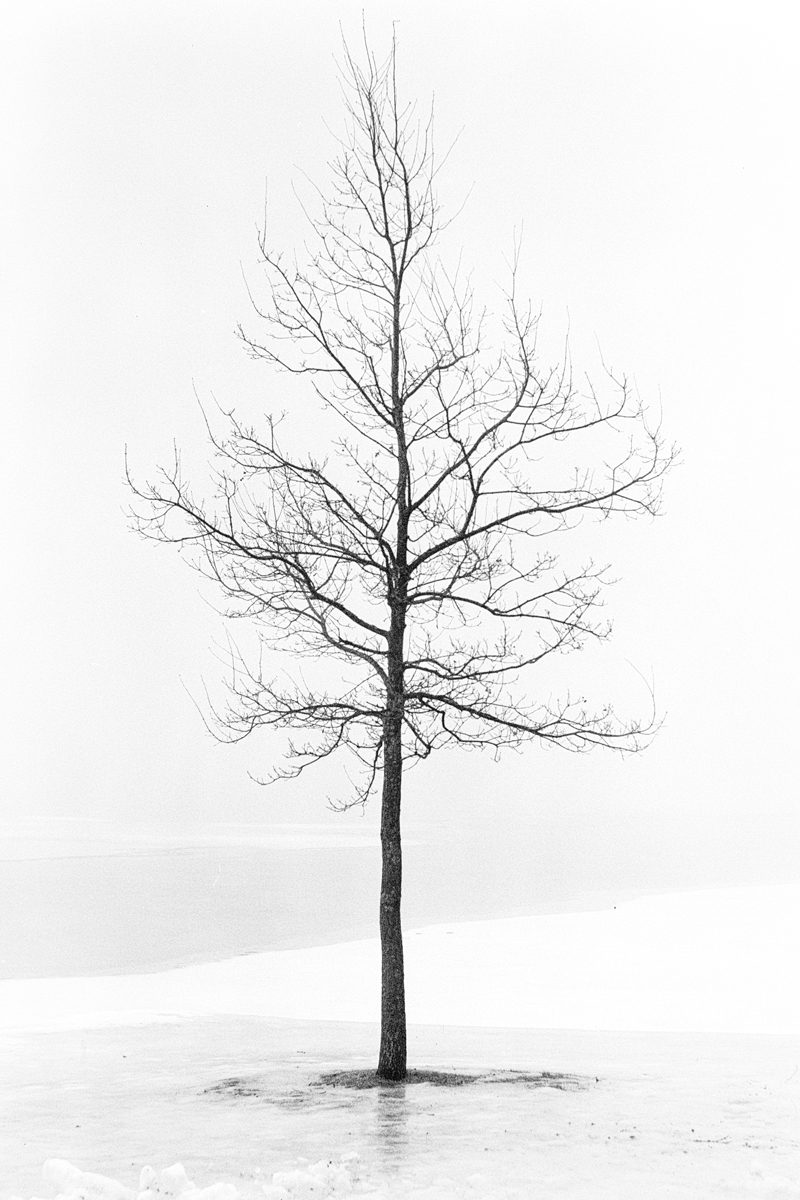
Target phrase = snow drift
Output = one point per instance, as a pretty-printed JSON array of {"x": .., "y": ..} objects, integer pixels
[{"x": 323, "y": 1180}]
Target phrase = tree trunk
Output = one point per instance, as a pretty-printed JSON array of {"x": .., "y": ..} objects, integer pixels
[{"x": 392, "y": 1058}]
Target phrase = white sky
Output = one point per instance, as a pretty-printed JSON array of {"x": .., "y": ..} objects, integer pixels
[{"x": 651, "y": 152}]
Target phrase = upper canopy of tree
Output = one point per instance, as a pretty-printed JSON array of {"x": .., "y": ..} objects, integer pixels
[{"x": 422, "y": 546}]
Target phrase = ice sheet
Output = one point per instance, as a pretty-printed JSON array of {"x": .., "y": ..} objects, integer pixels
[
  {"x": 712, "y": 960},
  {"x": 672, "y": 1117}
]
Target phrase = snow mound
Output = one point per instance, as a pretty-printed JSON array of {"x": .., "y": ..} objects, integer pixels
[
  {"x": 323, "y": 1180},
  {"x": 82, "y": 1185},
  {"x": 173, "y": 1181},
  {"x": 319, "y": 1181},
  {"x": 70, "y": 1183}
]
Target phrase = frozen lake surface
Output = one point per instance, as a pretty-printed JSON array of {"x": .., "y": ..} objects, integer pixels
[
  {"x": 656, "y": 1116},
  {"x": 85, "y": 899},
  {"x": 716, "y": 961},
  {"x": 209, "y": 1065},
  {"x": 73, "y": 907}
]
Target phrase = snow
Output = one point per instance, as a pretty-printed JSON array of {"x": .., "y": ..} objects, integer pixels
[
  {"x": 712, "y": 960},
  {"x": 676, "y": 1116},
  {"x": 73, "y": 1184},
  {"x": 204, "y": 1083},
  {"x": 318, "y": 1180}
]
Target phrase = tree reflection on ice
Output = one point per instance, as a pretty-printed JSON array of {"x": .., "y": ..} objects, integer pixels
[{"x": 391, "y": 1124}]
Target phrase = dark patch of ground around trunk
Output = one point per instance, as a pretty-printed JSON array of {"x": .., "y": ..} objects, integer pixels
[{"x": 256, "y": 1087}]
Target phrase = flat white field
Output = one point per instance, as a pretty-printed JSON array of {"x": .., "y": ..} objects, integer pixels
[
  {"x": 692, "y": 1091},
  {"x": 644, "y": 1116}
]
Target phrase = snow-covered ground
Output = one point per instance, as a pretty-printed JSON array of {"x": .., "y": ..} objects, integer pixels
[
  {"x": 657, "y": 1116},
  {"x": 215, "y": 1066},
  {"x": 709, "y": 960}
]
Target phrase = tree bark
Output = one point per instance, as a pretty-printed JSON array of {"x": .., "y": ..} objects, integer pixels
[{"x": 392, "y": 1057}]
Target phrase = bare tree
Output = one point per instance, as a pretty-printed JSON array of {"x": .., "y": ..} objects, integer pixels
[{"x": 418, "y": 551}]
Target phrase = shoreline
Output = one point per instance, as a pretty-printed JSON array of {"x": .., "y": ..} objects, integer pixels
[
  {"x": 667, "y": 963},
  {"x": 153, "y": 909},
  {"x": 353, "y": 932}
]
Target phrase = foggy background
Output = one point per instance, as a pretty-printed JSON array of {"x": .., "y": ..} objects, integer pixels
[{"x": 650, "y": 154}]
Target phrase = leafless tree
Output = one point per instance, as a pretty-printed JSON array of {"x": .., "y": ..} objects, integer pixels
[{"x": 419, "y": 550}]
